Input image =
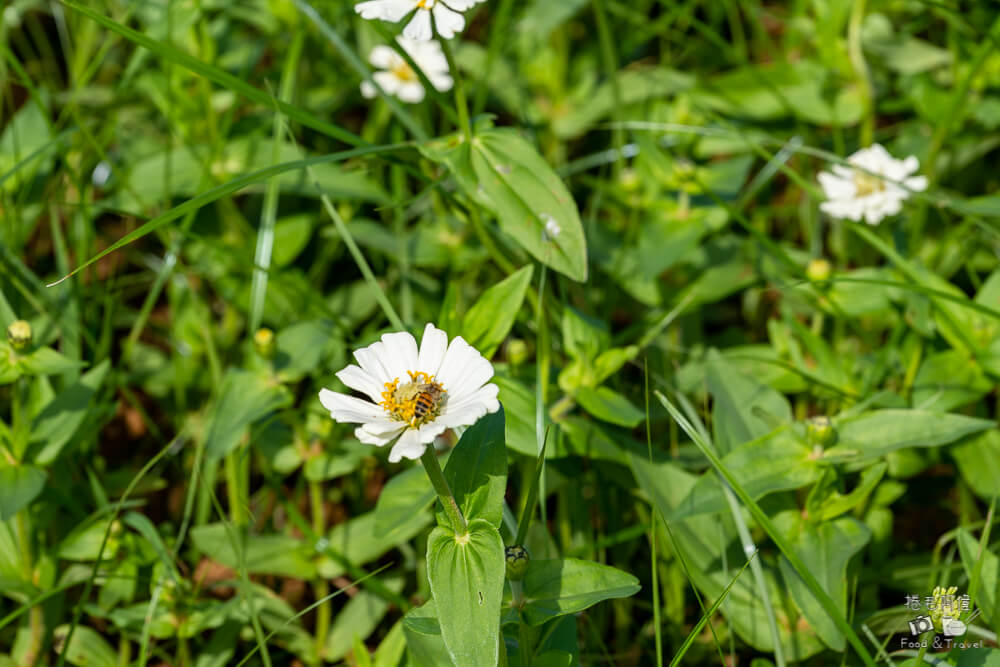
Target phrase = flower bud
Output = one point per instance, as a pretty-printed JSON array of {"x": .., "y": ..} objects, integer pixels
[
  {"x": 19, "y": 335},
  {"x": 820, "y": 431},
  {"x": 517, "y": 351},
  {"x": 818, "y": 270},
  {"x": 517, "y": 561},
  {"x": 264, "y": 343}
]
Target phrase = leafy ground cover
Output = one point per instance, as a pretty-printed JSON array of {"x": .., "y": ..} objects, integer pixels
[{"x": 745, "y": 358}]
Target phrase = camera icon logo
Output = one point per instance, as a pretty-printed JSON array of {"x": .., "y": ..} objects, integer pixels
[
  {"x": 952, "y": 627},
  {"x": 920, "y": 625}
]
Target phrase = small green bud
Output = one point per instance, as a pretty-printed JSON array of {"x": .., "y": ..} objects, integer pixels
[
  {"x": 517, "y": 351},
  {"x": 517, "y": 562},
  {"x": 19, "y": 335},
  {"x": 819, "y": 270},
  {"x": 264, "y": 342},
  {"x": 630, "y": 180},
  {"x": 820, "y": 431}
]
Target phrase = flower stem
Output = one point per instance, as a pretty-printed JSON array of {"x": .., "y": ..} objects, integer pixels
[
  {"x": 857, "y": 57},
  {"x": 460, "y": 101},
  {"x": 233, "y": 490},
  {"x": 433, "y": 468},
  {"x": 35, "y": 618},
  {"x": 321, "y": 588}
]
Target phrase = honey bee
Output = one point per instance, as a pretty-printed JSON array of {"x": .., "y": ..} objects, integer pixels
[{"x": 427, "y": 400}]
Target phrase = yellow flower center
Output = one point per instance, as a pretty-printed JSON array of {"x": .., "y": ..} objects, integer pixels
[
  {"x": 415, "y": 402},
  {"x": 425, "y": 4},
  {"x": 866, "y": 184},
  {"x": 404, "y": 72}
]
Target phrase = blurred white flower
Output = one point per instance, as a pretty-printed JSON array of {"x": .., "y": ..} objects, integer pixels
[
  {"x": 447, "y": 19},
  {"x": 398, "y": 78},
  {"x": 872, "y": 187},
  {"x": 551, "y": 229},
  {"x": 101, "y": 174},
  {"x": 415, "y": 394}
]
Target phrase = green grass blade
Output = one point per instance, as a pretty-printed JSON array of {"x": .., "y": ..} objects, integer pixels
[
  {"x": 219, "y": 76},
  {"x": 814, "y": 586},
  {"x": 223, "y": 190}
]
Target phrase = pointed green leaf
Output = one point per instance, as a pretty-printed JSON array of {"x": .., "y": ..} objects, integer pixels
[
  {"x": 244, "y": 398},
  {"x": 879, "y": 432},
  {"x": 735, "y": 398},
  {"x": 19, "y": 485},
  {"x": 477, "y": 470},
  {"x": 466, "y": 574},
  {"x": 557, "y": 587},
  {"x": 489, "y": 321}
]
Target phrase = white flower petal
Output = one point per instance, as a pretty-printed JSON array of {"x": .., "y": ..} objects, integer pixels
[
  {"x": 346, "y": 408},
  {"x": 360, "y": 380},
  {"x": 461, "y": 5},
  {"x": 459, "y": 357},
  {"x": 408, "y": 446},
  {"x": 433, "y": 346},
  {"x": 411, "y": 92},
  {"x": 368, "y": 90},
  {"x": 389, "y": 82},
  {"x": 420, "y": 27},
  {"x": 447, "y": 22},
  {"x": 399, "y": 354},
  {"x": 916, "y": 183},
  {"x": 370, "y": 434},
  {"x": 383, "y": 57},
  {"x": 386, "y": 10},
  {"x": 369, "y": 360},
  {"x": 482, "y": 401}
]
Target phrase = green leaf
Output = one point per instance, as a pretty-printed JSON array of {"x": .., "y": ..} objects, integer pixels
[
  {"x": 737, "y": 400},
  {"x": 46, "y": 361},
  {"x": 634, "y": 86},
  {"x": 19, "y": 485},
  {"x": 825, "y": 548},
  {"x": 301, "y": 348},
  {"x": 57, "y": 423},
  {"x": 244, "y": 398},
  {"x": 978, "y": 459},
  {"x": 778, "y": 461},
  {"x": 406, "y": 493},
  {"x": 504, "y": 173},
  {"x": 610, "y": 406},
  {"x": 948, "y": 380},
  {"x": 477, "y": 470},
  {"x": 519, "y": 413},
  {"x": 356, "y": 542},
  {"x": 490, "y": 320},
  {"x": 882, "y": 431},
  {"x": 466, "y": 574},
  {"x": 86, "y": 648},
  {"x": 557, "y": 587},
  {"x": 84, "y": 542},
  {"x": 989, "y": 576},
  {"x": 836, "y": 503},
  {"x": 424, "y": 642},
  {"x": 357, "y": 620},
  {"x": 279, "y": 555}
]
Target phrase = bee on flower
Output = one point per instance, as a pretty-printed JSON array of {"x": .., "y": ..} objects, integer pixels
[
  {"x": 874, "y": 186},
  {"x": 396, "y": 77},
  {"x": 415, "y": 394},
  {"x": 447, "y": 19}
]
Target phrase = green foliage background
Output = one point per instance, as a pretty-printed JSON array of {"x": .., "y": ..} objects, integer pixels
[{"x": 204, "y": 168}]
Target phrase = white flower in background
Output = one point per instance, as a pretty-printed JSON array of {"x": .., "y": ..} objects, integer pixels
[
  {"x": 415, "y": 394},
  {"x": 551, "y": 229},
  {"x": 447, "y": 19},
  {"x": 398, "y": 78},
  {"x": 872, "y": 187}
]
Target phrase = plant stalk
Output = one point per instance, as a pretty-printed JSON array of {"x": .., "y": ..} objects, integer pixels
[
  {"x": 321, "y": 587},
  {"x": 436, "y": 475}
]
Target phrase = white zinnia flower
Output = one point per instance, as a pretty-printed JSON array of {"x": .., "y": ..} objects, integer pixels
[
  {"x": 415, "y": 395},
  {"x": 447, "y": 20},
  {"x": 399, "y": 79},
  {"x": 875, "y": 187}
]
